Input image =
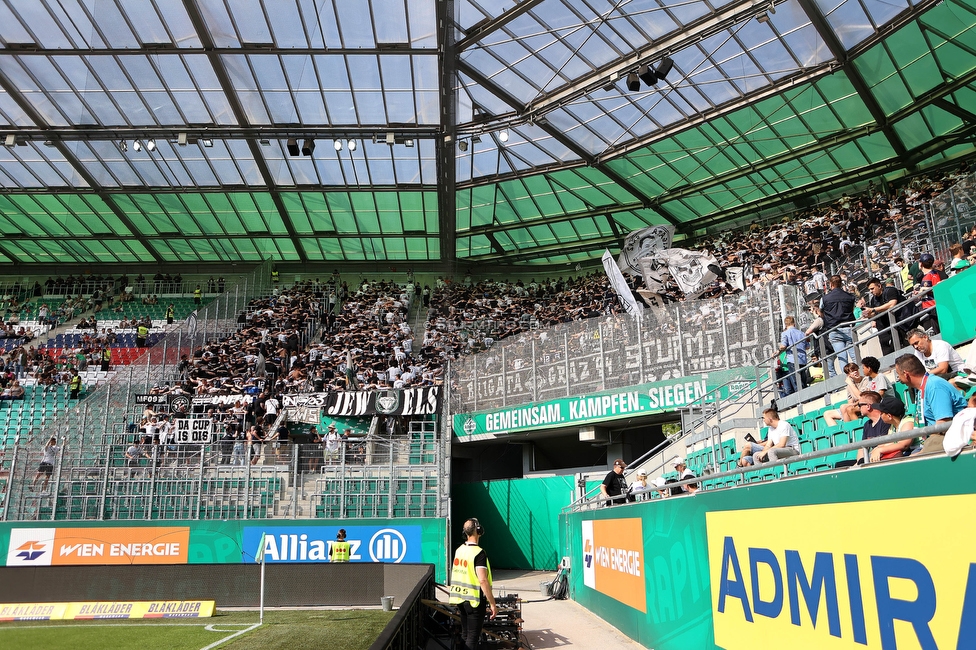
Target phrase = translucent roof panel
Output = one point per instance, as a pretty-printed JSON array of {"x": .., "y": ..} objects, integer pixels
[{"x": 140, "y": 130}]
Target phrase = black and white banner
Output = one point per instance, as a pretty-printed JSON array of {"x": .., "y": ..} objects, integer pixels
[
  {"x": 182, "y": 402},
  {"x": 407, "y": 401},
  {"x": 193, "y": 431},
  {"x": 620, "y": 286},
  {"x": 642, "y": 243}
]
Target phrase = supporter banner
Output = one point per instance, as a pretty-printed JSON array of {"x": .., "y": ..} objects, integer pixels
[
  {"x": 620, "y": 286},
  {"x": 183, "y": 402},
  {"x": 407, "y": 401},
  {"x": 366, "y": 543},
  {"x": 613, "y": 559},
  {"x": 878, "y": 574},
  {"x": 656, "y": 397},
  {"x": 641, "y": 243},
  {"x": 194, "y": 431},
  {"x": 128, "y": 545}
]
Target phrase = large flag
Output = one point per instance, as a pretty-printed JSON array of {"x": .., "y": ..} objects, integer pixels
[
  {"x": 692, "y": 270},
  {"x": 619, "y": 284},
  {"x": 642, "y": 243},
  {"x": 735, "y": 276}
]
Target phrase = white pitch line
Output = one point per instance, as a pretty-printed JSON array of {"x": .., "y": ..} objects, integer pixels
[{"x": 228, "y": 638}]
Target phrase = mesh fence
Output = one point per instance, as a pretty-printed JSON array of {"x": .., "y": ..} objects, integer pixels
[{"x": 600, "y": 354}]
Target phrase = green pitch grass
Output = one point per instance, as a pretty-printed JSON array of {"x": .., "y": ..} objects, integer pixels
[{"x": 294, "y": 630}]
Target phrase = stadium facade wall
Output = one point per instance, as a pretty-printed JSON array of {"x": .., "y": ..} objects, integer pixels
[
  {"x": 519, "y": 516},
  {"x": 297, "y": 541},
  {"x": 876, "y": 557}
]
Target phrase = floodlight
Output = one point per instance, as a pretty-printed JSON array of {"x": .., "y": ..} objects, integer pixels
[
  {"x": 181, "y": 139},
  {"x": 463, "y": 145},
  {"x": 503, "y": 135},
  {"x": 150, "y": 145},
  {"x": 337, "y": 143},
  {"x": 351, "y": 145},
  {"x": 390, "y": 138},
  {"x": 136, "y": 145},
  {"x": 408, "y": 142},
  {"x": 123, "y": 146},
  {"x": 476, "y": 139},
  {"x": 207, "y": 142},
  {"x": 308, "y": 147},
  {"x": 633, "y": 82},
  {"x": 11, "y": 140},
  {"x": 293, "y": 149}
]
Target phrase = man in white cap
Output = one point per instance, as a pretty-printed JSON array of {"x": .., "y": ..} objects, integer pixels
[{"x": 683, "y": 474}]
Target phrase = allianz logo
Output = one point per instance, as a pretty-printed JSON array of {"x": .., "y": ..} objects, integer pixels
[{"x": 386, "y": 545}]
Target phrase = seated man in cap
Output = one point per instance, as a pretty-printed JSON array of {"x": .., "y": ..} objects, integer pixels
[
  {"x": 683, "y": 474},
  {"x": 781, "y": 442}
]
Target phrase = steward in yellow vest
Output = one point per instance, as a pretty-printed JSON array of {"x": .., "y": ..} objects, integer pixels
[
  {"x": 170, "y": 315},
  {"x": 141, "y": 333},
  {"x": 106, "y": 358},
  {"x": 197, "y": 295},
  {"x": 471, "y": 585},
  {"x": 339, "y": 549},
  {"x": 74, "y": 384}
]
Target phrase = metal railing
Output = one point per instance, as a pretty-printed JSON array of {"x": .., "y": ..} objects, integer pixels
[
  {"x": 376, "y": 477},
  {"x": 739, "y": 473}
]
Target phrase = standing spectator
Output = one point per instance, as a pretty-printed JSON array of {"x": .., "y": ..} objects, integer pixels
[
  {"x": 882, "y": 300},
  {"x": 837, "y": 307},
  {"x": 46, "y": 467},
  {"x": 794, "y": 343},
  {"x": 614, "y": 484},
  {"x": 938, "y": 401},
  {"x": 255, "y": 442},
  {"x": 928, "y": 278},
  {"x": 197, "y": 296},
  {"x": 331, "y": 444},
  {"x": 170, "y": 314}
]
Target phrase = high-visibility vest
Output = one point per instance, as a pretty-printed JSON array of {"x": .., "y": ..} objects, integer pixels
[
  {"x": 107, "y": 354},
  {"x": 340, "y": 551},
  {"x": 75, "y": 383},
  {"x": 170, "y": 312},
  {"x": 197, "y": 293},
  {"x": 274, "y": 276},
  {"x": 142, "y": 332},
  {"x": 465, "y": 586}
]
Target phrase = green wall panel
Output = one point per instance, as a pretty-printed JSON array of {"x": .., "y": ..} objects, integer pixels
[{"x": 519, "y": 516}]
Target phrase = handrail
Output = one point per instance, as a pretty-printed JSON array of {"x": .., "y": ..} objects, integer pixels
[{"x": 741, "y": 471}]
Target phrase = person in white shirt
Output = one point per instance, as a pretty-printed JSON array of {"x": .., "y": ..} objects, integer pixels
[
  {"x": 938, "y": 357},
  {"x": 781, "y": 442}
]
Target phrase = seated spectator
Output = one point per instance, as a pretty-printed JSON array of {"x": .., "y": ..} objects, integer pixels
[
  {"x": 781, "y": 442},
  {"x": 893, "y": 414},
  {"x": 683, "y": 474},
  {"x": 962, "y": 432},
  {"x": 959, "y": 260},
  {"x": 874, "y": 427},
  {"x": 938, "y": 401},
  {"x": 938, "y": 357},
  {"x": 874, "y": 381},
  {"x": 638, "y": 487},
  {"x": 13, "y": 391},
  {"x": 850, "y": 411}
]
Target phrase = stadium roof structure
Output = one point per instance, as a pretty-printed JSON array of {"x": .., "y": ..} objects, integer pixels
[{"x": 468, "y": 130}]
